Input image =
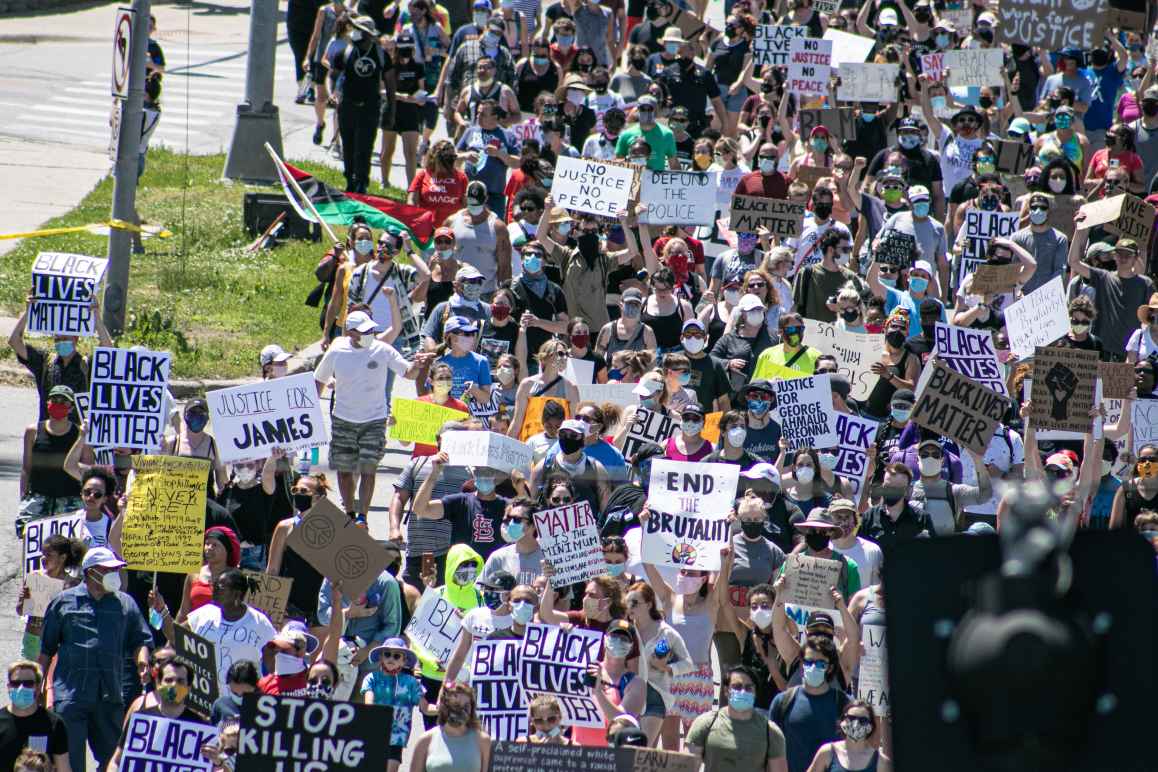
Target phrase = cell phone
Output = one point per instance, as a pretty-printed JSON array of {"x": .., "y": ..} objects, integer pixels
[
  {"x": 427, "y": 562},
  {"x": 588, "y": 680}
]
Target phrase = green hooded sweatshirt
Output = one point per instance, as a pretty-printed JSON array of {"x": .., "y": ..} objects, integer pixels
[{"x": 461, "y": 597}]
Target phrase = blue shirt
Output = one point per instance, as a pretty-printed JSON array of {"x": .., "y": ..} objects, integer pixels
[
  {"x": 90, "y": 639},
  {"x": 1104, "y": 85},
  {"x": 810, "y": 723},
  {"x": 489, "y": 170},
  {"x": 386, "y": 622},
  {"x": 1079, "y": 83},
  {"x": 902, "y": 298},
  {"x": 401, "y": 692},
  {"x": 606, "y": 454},
  {"x": 471, "y": 367}
]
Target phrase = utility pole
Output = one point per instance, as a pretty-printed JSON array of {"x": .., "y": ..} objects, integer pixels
[
  {"x": 125, "y": 169},
  {"x": 257, "y": 117}
]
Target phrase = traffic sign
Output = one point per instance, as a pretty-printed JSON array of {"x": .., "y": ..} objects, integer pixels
[
  {"x": 122, "y": 51},
  {"x": 115, "y": 128}
]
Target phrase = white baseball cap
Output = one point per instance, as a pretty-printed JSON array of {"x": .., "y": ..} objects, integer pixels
[
  {"x": 360, "y": 321},
  {"x": 102, "y": 557},
  {"x": 273, "y": 353}
]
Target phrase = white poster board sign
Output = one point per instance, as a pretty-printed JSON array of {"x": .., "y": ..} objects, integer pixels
[
  {"x": 868, "y": 83},
  {"x": 809, "y": 65},
  {"x": 487, "y": 450},
  {"x": 127, "y": 398},
  {"x": 435, "y": 626},
  {"x": 595, "y": 187},
  {"x": 971, "y": 353},
  {"x": 848, "y": 48},
  {"x": 855, "y": 353},
  {"x": 804, "y": 411},
  {"x": 679, "y": 198},
  {"x": 553, "y": 660},
  {"x": 250, "y": 421},
  {"x": 63, "y": 288},
  {"x": 1038, "y": 319},
  {"x": 873, "y": 682},
  {"x": 689, "y": 505},
  {"x": 569, "y": 538},
  {"x": 494, "y": 676},
  {"x": 772, "y": 42}
]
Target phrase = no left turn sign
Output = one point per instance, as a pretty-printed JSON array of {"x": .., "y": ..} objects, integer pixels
[{"x": 122, "y": 51}]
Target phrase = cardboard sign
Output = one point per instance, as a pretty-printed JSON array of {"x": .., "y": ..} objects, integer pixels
[
  {"x": 953, "y": 405},
  {"x": 127, "y": 398},
  {"x": 63, "y": 287},
  {"x": 270, "y": 594},
  {"x": 679, "y": 198},
  {"x": 536, "y": 757},
  {"x": 250, "y": 421},
  {"x": 1144, "y": 420},
  {"x": 981, "y": 227},
  {"x": 825, "y": 6},
  {"x": 1051, "y": 26},
  {"x": 896, "y": 248},
  {"x": 165, "y": 517},
  {"x": 1061, "y": 214},
  {"x": 201, "y": 656},
  {"x": 772, "y": 43},
  {"x": 283, "y": 733},
  {"x": 840, "y": 122},
  {"x": 500, "y": 701},
  {"x": 810, "y": 175},
  {"x": 416, "y": 421},
  {"x": 42, "y": 588},
  {"x": 487, "y": 450},
  {"x": 36, "y": 532},
  {"x": 1063, "y": 388},
  {"x": 971, "y": 353},
  {"x": 161, "y": 744},
  {"x": 1014, "y": 157},
  {"x": 1117, "y": 379},
  {"x": 872, "y": 684},
  {"x": 1123, "y": 215},
  {"x": 848, "y": 48},
  {"x": 868, "y": 82},
  {"x": 855, "y": 353},
  {"x": 1038, "y": 319},
  {"x": 808, "y": 580},
  {"x": 995, "y": 279},
  {"x": 782, "y": 218},
  {"x": 553, "y": 660},
  {"x": 1126, "y": 14},
  {"x": 533, "y": 420},
  {"x": 809, "y": 65},
  {"x": 436, "y": 625},
  {"x": 857, "y": 435},
  {"x": 804, "y": 411},
  {"x": 338, "y": 548},
  {"x": 569, "y": 538},
  {"x": 595, "y": 187},
  {"x": 648, "y": 427}
]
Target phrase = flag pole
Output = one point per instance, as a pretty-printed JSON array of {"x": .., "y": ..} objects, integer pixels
[{"x": 301, "y": 193}]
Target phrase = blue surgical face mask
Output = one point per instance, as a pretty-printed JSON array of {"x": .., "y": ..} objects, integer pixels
[
  {"x": 868, "y": 117},
  {"x": 921, "y": 208},
  {"x": 942, "y": 41},
  {"x": 540, "y": 61},
  {"x": 23, "y": 697},
  {"x": 814, "y": 675},
  {"x": 1063, "y": 121},
  {"x": 616, "y": 569},
  {"x": 918, "y": 283},
  {"x": 484, "y": 485},
  {"x": 685, "y": 379},
  {"x": 235, "y": 698},
  {"x": 888, "y": 281},
  {"x": 759, "y": 406},
  {"x": 513, "y": 531},
  {"x": 900, "y": 416},
  {"x": 937, "y": 102},
  {"x": 523, "y": 611},
  {"x": 743, "y": 701},
  {"x": 533, "y": 263},
  {"x": 64, "y": 348}
]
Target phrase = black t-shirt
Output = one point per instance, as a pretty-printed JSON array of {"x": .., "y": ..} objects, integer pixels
[
  {"x": 870, "y": 139},
  {"x": 709, "y": 380},
  {"x": 49, "y": 370},
  {"x": 923, "y": 167},
  {"x": 528, "y": 85},
  {"x": 474, "y": 521},
  {"x": 921, "y": 346},
  {"x": 362, "y": 71},
  {"x": 410, "y": 78},
  {"x": 558, "y": 11},
  {"x": 597, "y": 360},
  {"x": 43, "y": 731},
  {"x": 1091, "y": 343},
  {"x": 685, "y": 149},
  {"x": 552, "y": 302},
  {"x": 622, "y": 510},
  {"x": 579, "y": 126},
  {"x": 648, "y": 34},
  {"x": 729, "y": 62},
  {"x": 252, "y": 510},
  {"x": 691, "y": 87},
  {"x": 496, "y": 341}
]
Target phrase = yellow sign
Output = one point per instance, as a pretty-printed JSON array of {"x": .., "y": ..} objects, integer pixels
[
  {"x": 417, "y": 421},
  {"x": 165, "y": 516},
  {"x": 533, "y": 419},
  {"x": 711, "y": 431}
]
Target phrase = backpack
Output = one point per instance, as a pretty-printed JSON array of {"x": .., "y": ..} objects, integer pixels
[{"x": 781, "y": 710}]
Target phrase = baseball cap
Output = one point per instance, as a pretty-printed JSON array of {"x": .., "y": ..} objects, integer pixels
[
  {"x": 750, "y": 302},
  {"x": 762, "y": 471},
  {"x": 841, "y": 505},
  {"x": 460, "y": 324},
  {"x": 574, "y": 425},
  {"x": 294, "y": 628},
  {"x": 496, "y": 23},
  {"x": 980, "y": 529},
  {"x": 102, "y": 557},
  {"x": 63, "y": 392},
  {"x": 820, "y": 622},
  {"x": 1060, "y": 460},
  {"x": 1126, "y": 245},
  {"x": 759, "y": 385},
  {"x": 1150, "y": 93},
  {"x": 444, "y": 233},
  {"x": 631, "y": 296},
  {"x": 620, "y": 627},
  {"x": 923, "y": 265},
  {"x": 1019, "y": 127},
  {"x": 647, "y": 100},
  {"x": 1099, "y": 249},
  {"x": 904, "y": 395},
  {"x": 987, "y": 18},
  {"x": 647, "y": 386},
  {"x": 500, "y": 580},
  {"x": 692, "y": 407},
  {"x": 694, "y": 324},
  {"x": 273, "y": 353},
  {"x": 360, "y": 321},
  {"x": 908, "y": 124},
  {"x": 467, "y": 271},
  {"x": 476, "y": 193},
  {"x": 887, "y": 18},
  {"x": 482, "y": 5},
  {"x": 919, "y": 193}
]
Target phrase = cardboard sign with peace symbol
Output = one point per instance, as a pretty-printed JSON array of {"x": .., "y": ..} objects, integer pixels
[{"x": 338, "y": 548}]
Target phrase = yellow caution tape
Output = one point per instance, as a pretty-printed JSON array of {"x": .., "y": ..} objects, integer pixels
[{"x": 118, "y": 224}]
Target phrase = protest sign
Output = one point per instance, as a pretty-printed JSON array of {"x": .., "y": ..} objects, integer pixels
[
  {"x": 689, "y": 509},
  {"x": 487, "y": 450},
  {"x": 1063, "y": 388},
  {"x": 868, "y": 82},
  {"x": 782, "y": 218},
  {"x": 1117, "y": 379},
  {"x": 599, "y": 393},
  {"x": 1061, "y": 214},
  {"x": 158, "y": 744},
  {"x": 279, "y": 734},
  {"x": 981, "y": 227},
  {"x": 1144, "y": 420},
  {"x": 896, "y": 248},
  {"x": 1038, "y": 319},
  {"x": 536, "y": 757},
  {"x": 1013, "y": 157},
  {"x": 269, "y": 594},
  {"x": 337, "y": 548},
  {"x": 580, "y": 371},
  {"x": 250, "y": 421},
  {"x": 857, "y": 435},
  {"x": 711, "y": 430},
  {"x": 648, "y": 427},
  {"x": 1125, "y": 15},
  {"x": 201, "y": 656},
  {"x": 416, "y": 421},
  {"x": 810, "y": 175},
  {"x": 127, "y": 398},
  {"x": 826, "y": 6},
  {"x": 840, "y": 122},
  {"x": 1051, "y": 26},
  {"x": 1123, "y": 215},
  {"x": 855, "y": 352},
  {"x": 689, "y": 24},
  {"x": 533, "y": 420},
  {"x": 495, "y": 677},
  {"x": 973, "y": 66},
  {"x": 569, "y": 538},
  {"x": 596, "y": 187},
  {"x": 772, "y": 43},
  {"x": 949, "y": 403},
  {"x": 873, "y": 682},
  {"x": 809, "y": 65},
  {"x": 991, "y": 279},
  {"x": 63, "y": 288},
  {"x": 804, "y": 411},
  {"x": 165, "y": 517},
  {"x": 435, "y": 625},
  {"x": 36, "y": 532},
  {"x": 971, "y": 353},
  {"x": 680, "y": 198},
  {"x": 42, "y": 588},
  {"x": 808, "y": 580},
  {"x": 933, "y": 65},
  {"x": 553, "y": 660},
  {"x": 847, "y": 47}
]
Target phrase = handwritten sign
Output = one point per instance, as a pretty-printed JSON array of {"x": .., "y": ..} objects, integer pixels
[
  {"x": 692, "y": 488},
  {"x": 63, "y": 287},
  {"x": 809, "y": 65},
  {"x": 164, "y": 744},
  {"x": 487, "y": 450},
  {"x": 595, "y": 187},
  {"x": 808, "y": 580},
  {"x": 127, "y": 398},
  {"x": 536, "y": 757},
  {"x": 435, "y": 626},
  {"x": 71, "y": 526},
  {"x": 648, "y": 427},
  {"x": 1013, "y": 157},
  {"x": 896, "y": 248},
  {"x": 991, "y": 279},
  {"x": 165, "y": 516},
  {"x": 1123, "y": 215},
  {"x": 1117, "y": 379},
  {"x": 773, "y": 43},
  {"x": 855, "y": 353},
  {"x": 600, "y": 393},
  {"x": 1144, "y": 420},
  {"x": 269, "y": 594},
  {"x": 1063, "y": 388},
  {"x": 981, "y": 227},
  {"x": 417, "y": 421},
  {"x": 680, "y": 198},
  {"x": 868, "y": 83},
  {"x": 1061, "y": 214},
  {"x": 857, "y": 435},
  {"x": 1051, "y": 26},
  {"x": 840, "y": 122},
  {"x": 553, "y": 660},
  {"x": 967, "y": 67},
  {"x": 337, "y": 548},
  {"x": 250, "y": 421},
  {"x": 569, "y": 538},
  {"x": 1038, "y": 319},
  {"x": 971, "y": 353},
  {"x": 873, "y": 682},
  {"x": 495, "y": 677},
  {"x": 201, "y": 656},
  {"x": 804, "y": 411},
  {"x": 42, "y": 588},
  {"x": 782, "y": 218},
  {"x": 949, "y": 403},
  {"x": 690, "y": 505}
]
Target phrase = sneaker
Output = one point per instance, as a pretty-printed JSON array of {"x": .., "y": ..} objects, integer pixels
[
  {"x": 310, "y": 95},
  {"x": 318, "y": 131}
]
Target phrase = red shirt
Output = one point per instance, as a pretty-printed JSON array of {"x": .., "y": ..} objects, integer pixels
[
  {"x": 516, "y": 182},
  {"x": 695, "y": 245},
  {"x": 453, "y": 404},
  {"x": 284, "y": 684},
  {"x": 563, "y": 59},
  {"x": 442, "y": 195},
  {"x": 754, "y": 183}
]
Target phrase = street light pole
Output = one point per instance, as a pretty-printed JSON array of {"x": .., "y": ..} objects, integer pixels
[{"x": 257, "y": 117}]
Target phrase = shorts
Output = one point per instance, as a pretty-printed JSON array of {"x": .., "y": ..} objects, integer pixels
[
  {"x": 733, "y": 103},
  {"x": 357, "y": 447},
  {"x": 319, "y": 73},
  {"x": 406, "y": 118},
  {"x": 654, "y": 707}
]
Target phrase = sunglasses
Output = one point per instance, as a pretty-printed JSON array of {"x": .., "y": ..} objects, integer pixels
[
  {"x": 560, "y": 500},
  {"x": 392, "y": 655},
  {"x": 515, "y": 520},
  {"x": 320, "y": 682},
  {"x": 756, "y": 285},
  {"x": 92, "y": 493},
  {"x": 793, "y": 330},
  {"x": 29, "y": 683}
]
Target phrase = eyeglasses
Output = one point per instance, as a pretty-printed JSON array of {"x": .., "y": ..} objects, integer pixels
[
  {"x": 92, "y": 493},
  {"x": 756, "y": 284},
  {"x": 26, "y": 682}
]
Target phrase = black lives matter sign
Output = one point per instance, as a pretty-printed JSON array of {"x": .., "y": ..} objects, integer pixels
[
  {"x": 127, "y": 398},
  {"x": 63, "y": 287}
]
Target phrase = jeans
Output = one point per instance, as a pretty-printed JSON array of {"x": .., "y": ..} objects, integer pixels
[
  {"x": 97, "y": 723},
  {"x": 253, "y": 557}
]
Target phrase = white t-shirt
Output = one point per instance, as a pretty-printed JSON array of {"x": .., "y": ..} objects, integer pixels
[
  {"x": 956, "y": 157},
  {"x": 1000, "y": 454},
  {"x": 359, "y": 376},
  {"x": 235, "y": 641},
  {"x": 868, "y": 558},
  {"x": 1141, "y": 343}
]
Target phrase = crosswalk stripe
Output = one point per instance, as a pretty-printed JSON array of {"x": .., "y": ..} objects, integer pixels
[
  {"x": 169, "y": 99},
  {"x": 103, "y": 137},
  {"x": 50, "y": 121},
  {"x": 103, "y": 108}
]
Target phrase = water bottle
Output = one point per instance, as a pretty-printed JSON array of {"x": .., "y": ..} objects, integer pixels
[
  {"x": 155, "y": 619},
  {"x": 662, "y": 649}
]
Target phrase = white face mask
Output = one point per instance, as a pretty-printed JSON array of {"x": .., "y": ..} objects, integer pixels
[
  {"x": 475, "y": 209},
  {"x": 828, "y": 460},
  {"x": 762, "y": 617},
  {"x": 736, "y": 436},
  {"x": 754, "y": 318},
  {"x": 523, "y": 611},
  {"x": 930, "y": 467},
  {"x": 686, "y": 585},
  {"x": 1037, "y": 216},
  {"x": 731, "y": 297},
  {"x": 111, "y": 582},
  {"x": 694, "y": 345},
  {"x": 804, "y": 474},
  {"x": 1056, "y": 185},
  {"x": 505, "y": 374}
]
